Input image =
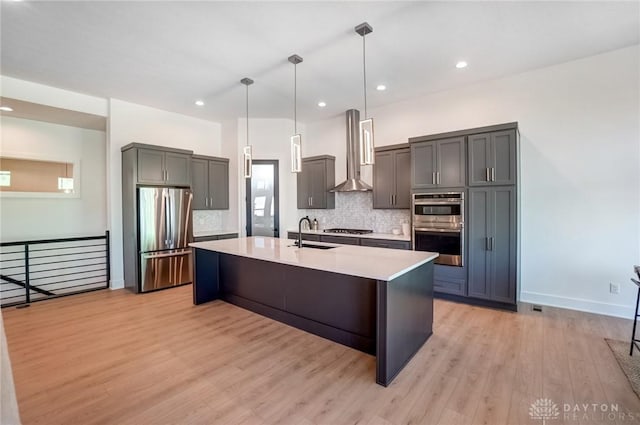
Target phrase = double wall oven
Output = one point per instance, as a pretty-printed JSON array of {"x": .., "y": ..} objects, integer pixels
[{"x": 438, "y": 222}]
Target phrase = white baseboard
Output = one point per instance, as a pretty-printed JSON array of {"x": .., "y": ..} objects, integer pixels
[
  {"x": 589, "y": 306},
  {"x": 116, "y": 284}
]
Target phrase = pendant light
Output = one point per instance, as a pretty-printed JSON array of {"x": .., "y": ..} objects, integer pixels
[
  {"x": 367, "y": 145},
  {"x": 296, "y": 139},
  {"x": 246, "y": 151}
]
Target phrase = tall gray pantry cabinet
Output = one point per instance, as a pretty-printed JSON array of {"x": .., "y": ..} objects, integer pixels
[{"x": 490, "y": 157}]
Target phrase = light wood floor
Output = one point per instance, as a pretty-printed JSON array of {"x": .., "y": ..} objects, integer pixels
[{"x": 112, "y": 357}]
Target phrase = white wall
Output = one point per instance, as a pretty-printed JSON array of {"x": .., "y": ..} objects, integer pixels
[
  {"x": 270, "y": 139},
  {"x": 580, "y": 169},
  {"x": 129, "y": 123},
  {"x": 35, "y": 218}
]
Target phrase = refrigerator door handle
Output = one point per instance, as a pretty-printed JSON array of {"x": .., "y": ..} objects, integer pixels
[{"x": 174, "y": 253}]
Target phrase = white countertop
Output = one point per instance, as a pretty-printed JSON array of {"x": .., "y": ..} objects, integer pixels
[
  {"x": 202, "y": 233},
  {"x": 386, "y": 236},
  {"x": 363, "y": 261}
]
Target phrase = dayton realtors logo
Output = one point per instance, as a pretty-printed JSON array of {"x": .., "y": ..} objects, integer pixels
[{"x": 544, "y": 409}]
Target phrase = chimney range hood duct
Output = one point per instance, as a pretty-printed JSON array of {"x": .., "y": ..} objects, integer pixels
[{"x": 353, "y": 182}]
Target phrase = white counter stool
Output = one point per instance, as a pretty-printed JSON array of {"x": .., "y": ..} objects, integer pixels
[{"x": 634, "y": 341}]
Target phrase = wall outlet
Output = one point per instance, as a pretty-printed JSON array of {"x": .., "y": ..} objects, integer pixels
[{"x": 614, "y": 288}]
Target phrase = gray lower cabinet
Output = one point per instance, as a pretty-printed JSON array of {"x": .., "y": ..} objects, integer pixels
[
  {"x": 305, "y": 236},
  {"x": 318, "y": 175},
  {"x": 492, "y": 158},
  {"x": 385, "y": 243},
  {"x": 438, "y": 163},
  {"x": 450, "y": 279},
  {"x": 210, "y": 183},
  {"x": 492, "y": 244},
  {"x": 391, "y": 178},
  {"x": 215, "y": 237},
  {"x": 345, "y": 240},
  {"x": 163, "y": 167},
  {"x": 349, "y": 240}
]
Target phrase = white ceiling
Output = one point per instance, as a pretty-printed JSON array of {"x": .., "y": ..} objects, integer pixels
[{"x": 168, "y": 54}]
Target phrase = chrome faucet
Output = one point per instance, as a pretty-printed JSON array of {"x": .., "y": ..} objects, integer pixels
[{"x": 300, "y": 229}]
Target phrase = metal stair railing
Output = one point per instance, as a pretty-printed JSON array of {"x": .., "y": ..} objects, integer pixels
[{"x": 49, "y": 268}]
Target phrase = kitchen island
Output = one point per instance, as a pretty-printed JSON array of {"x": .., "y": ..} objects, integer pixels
[{"x": 376, "y": 300}]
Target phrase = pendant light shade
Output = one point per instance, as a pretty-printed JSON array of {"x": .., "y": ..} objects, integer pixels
[
  {"x": 367, "y": 145},
  {"x": 296, "y": 139},
  {"x": 246, "y": 151}
]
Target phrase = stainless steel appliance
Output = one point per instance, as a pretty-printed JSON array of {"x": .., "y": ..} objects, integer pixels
[
  {"x": 438, "y": 222},
  {"x": 353, "y": 183},
  {"x": 164, "y": 232}
]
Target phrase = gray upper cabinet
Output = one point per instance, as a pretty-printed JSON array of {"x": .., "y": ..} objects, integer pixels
[
  {"x": 210, "y": 183},
  {"x": 438, "y": 163},
  {"x": 318, "y": 175},
  {"x": 492, "y": 244},
  {"x": 160, "y": 167},
  {"x": 200, "y": 183},
  {"x": 391, "y": 178},
  {"x": 492, "y": 158}
]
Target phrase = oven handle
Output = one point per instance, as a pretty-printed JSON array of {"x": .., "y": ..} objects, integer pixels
[
  {"x": 431, "y": 229},
  {"x": 441, "y": 202}
]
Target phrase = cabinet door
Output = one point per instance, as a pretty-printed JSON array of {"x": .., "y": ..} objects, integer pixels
[
  {"x": 402, "y": 198},
  {"x": 479, "y": 227},
  {"x": 317, "y": 183},
  {"x": 502, "y": 273},
  {"x": 423, "y": 165},
  {"x": 383, "y": 180},
  {"x": 344, "y": 240},
  {"x": 480, "y": 159},
  {"x": 178, "y": 168},
  {"x": 451, "y": 163},
  {"x": 503, "y": 157},
  {"x": 302, "y": 180},
  {"x": 218, "y": 185},
  {"x": 200, "y": 183},
  {"x": 151, "y": 166}
]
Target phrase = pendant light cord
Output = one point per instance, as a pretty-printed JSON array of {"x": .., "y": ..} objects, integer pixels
[
  {"x": 364, "y": 72},
  {"x": 247, "y": 115},
  {"x": 295, "y": 98}
]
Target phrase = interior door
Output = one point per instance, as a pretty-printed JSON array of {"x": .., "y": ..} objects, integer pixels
[{"x": 263, "y": 217}]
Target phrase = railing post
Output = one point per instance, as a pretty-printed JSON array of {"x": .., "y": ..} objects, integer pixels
[
  {"x": 107, "y": 241},
  {"x": 26, "y": 274}
]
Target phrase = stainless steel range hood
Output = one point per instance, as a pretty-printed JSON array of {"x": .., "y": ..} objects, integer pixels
[{"x": 353, "y": 182}]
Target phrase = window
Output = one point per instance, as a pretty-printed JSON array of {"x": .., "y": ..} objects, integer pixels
[{"x": 26, "y": 176}]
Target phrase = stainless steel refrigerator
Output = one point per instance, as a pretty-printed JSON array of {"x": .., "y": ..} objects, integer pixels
[{"x": 165, "y": 229}]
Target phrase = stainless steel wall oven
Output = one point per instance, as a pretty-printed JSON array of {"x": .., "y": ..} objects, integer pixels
[{"x": 438, "y": 223}]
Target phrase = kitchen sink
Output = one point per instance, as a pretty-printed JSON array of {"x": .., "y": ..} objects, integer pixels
[{"x": 310, "y": 245}]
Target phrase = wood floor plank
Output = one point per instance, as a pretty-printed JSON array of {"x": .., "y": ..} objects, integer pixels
[{"x": 112, "y": 357}]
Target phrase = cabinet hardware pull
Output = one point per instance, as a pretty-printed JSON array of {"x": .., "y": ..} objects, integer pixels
[
  {"x": 433, "y": 178},
  {"x": 438, "y": 177},
  {"x": 206, "y": 202},
  {"x": 394, "y": 199},
  {"x": 390, "y": 199},
  {"x": 486, "y": 244},
  {"x": 492, "y": 243},
  {"x": 493, "y": 174},
  {"x": 487, "y": 176}
]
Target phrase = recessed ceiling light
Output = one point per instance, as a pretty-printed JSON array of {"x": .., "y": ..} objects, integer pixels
[
  {"x": 6, "y": 109},
  {"x": 381, "y": 87},
  {"x": 322, "y": 104},
  {"x": 461, "y": 64},
  {"x": 200, "y": 102}
]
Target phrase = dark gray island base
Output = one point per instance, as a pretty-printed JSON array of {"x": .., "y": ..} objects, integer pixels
[{"x": 389, "y": 319}]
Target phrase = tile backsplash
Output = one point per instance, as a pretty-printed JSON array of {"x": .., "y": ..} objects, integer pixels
[
  {"x": 355, "y": 210},
  {"x": 210, "y": 221}
]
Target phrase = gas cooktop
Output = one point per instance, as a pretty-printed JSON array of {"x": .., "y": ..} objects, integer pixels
[{"x": 349, "y": 231}]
